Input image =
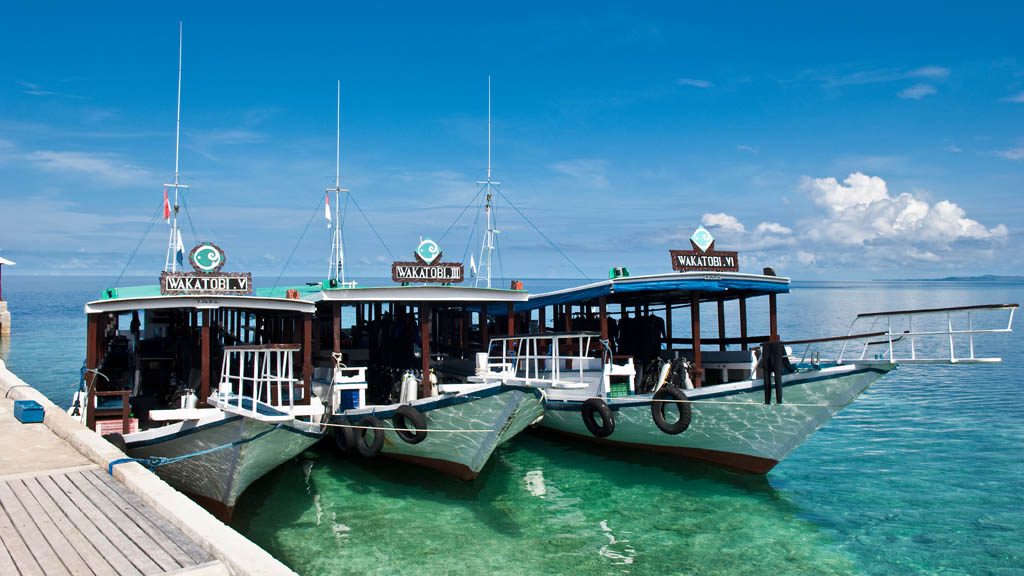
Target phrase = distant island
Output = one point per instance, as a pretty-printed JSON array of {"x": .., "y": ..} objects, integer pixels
[{"x": 982, "y": 278}]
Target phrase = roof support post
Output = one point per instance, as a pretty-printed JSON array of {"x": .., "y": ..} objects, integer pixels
[
  {"x": 336, "y": 326},
  {"x": 204, "y": 379},
  {"x": 773, "y": 317},
  {"x": 307, "y": 357},
  {"x": 668, "y": 325},
  {"x": 485, "y": 329},
  {"x": 425, "y": 317},
  {"x": 698, "y": 371},
  {"x": 721, "y": 324},
  {"x": 91, "y": 362},
  {"x": 602, "y": 304},
  {"x": 743, "y": 323},
  {"x": 568, "y": 317},
  {"x": 542, "y": 319}
]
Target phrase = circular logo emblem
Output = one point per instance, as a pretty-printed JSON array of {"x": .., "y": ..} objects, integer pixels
[
  {"x": 428, "y": 250},
  {"x": 207, "y": 257}
]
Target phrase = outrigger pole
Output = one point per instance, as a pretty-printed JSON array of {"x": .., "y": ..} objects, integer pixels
[
  {"x": 488, "y": 245},
  {"x": 336, "y": 273},
  {"x": 170, "y": 262}
]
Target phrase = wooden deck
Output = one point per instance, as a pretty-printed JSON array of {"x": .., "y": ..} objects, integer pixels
[{"x": 81, "y": 521}]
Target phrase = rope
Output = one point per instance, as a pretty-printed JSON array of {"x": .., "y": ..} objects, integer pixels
[
  {"x": 726, "y": 402},
  {"x": 456, "y": 221},
  {"x": 154, "y": 462},
  {"x": 543, "y": 235},
  {"x": 296, "y": 247},
  {"x": 6, "y": 395},
  {"x": 413, "y": 430},
  {"x": 188, "y": 215},
  {"x": 370, "y": 224},
  {"x": 131, "y": 257}
]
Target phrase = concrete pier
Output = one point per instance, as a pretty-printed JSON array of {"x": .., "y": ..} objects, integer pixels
[{"x": 62, "y": 513}]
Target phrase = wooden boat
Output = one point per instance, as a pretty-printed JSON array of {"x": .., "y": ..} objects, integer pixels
[
  {"x": 199, "y": 378},
  {"x": 743, "y": 402}
]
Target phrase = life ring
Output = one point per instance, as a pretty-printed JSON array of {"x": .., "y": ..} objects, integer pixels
[
  {"x": 407, "y": 417},
  {"x": 344, "y": 437},
  {"x": 372, "y": 425},
  {"x": 679, "y": 400},
  {"x": 592, "y": 406}
]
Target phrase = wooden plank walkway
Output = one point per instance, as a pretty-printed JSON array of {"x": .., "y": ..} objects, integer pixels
[{"x": 84, "y": 522}]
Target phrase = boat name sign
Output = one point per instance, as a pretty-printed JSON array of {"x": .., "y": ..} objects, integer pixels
[
  {"x": 207, "y": 258},
  {"x": 704, "y": 257},
  {"x": 427, "y": 266}
]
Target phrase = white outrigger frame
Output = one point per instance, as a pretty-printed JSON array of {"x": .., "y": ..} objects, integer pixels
[{"x": 891, "y": 337}]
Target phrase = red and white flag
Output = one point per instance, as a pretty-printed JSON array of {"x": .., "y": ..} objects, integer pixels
[
  {"x": 167, "y": 208},
  {"x": 327, "y": 209}
]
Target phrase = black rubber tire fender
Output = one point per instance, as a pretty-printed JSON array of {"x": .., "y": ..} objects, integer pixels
[
  {"x": 658, "y": 410},
  {"x": 344, "y": 437},
  {"x": 593, "y": 407},
  {"x": 369, "y": 448},
  {"x": 407, "y": 417}
]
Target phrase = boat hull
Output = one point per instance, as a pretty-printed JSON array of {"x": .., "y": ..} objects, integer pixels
[
  {"x": 462, "y": 431},
  {"x": 731, "y": 426},
  {"x": 216, "y": 479}
]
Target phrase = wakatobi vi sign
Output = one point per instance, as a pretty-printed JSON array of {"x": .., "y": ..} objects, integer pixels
[
  {"x": 427, "y": 267},
  {"x": 704, "y": 257},
  {"x": 207, "y": 259}
]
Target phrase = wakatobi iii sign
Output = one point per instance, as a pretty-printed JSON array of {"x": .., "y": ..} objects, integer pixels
[
  {"x": 427, "y": 267},
  {"x": 207, "y": 259},
  {"x": 704, "y": 257}
]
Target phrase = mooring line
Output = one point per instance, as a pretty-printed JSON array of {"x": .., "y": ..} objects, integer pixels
[{"x": 413, "y": 430}]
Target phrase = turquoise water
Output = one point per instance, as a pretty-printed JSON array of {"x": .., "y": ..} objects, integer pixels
[{"x": 924, "y": 474}]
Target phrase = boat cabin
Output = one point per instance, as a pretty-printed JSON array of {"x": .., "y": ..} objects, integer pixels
[
  {"x": 391, "y": 330},
  {"x": 152, "y": 358},
  {"x": 633, "y": 321}
]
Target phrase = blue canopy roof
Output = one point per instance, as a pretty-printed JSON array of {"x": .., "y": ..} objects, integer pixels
[{"x": 678, "y": 286}]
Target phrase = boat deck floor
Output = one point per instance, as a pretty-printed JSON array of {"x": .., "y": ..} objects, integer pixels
[{"x": 61, "y": 514}]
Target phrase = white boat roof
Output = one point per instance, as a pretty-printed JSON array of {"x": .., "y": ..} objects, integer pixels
[
  {"x": 453, "y": 294},
  {"x": 199, "y": 302},
  {"x": 5, "y": 262}
]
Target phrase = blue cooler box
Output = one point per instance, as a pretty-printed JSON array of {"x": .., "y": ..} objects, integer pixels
[{"x": 28, "y": 411}]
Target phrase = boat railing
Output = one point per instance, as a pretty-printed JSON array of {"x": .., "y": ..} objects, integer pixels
[
  {"x": 561, "y": 359},
  {"x": 922, "y": 336},
  {"x": 258, "y": 381}
]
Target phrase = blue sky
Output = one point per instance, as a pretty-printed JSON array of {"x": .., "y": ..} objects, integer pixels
[{"x": 828, "y": 141}]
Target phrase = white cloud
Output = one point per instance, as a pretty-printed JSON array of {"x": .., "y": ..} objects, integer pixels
[
  {"x": 885, "y": 75},
  {"x": 934, "y": 72},
  {"x": 806, "y": 258},
  {"x": 953, "y": 148},
  {"x": 722, "y": 221},
  {"x": 861, "y": 212},
  {"x": 1012, "y": 154},
  {"x": 108, "y": 168},
  {"x": 588, "y": 171},
  {"x": 917, "y": 91},
  {"x": 747, "y": 148},
  {"x": 772, "y": 228},
  {"x": 1017, "y": 98},
  {"x": 695, "y": 83}
]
